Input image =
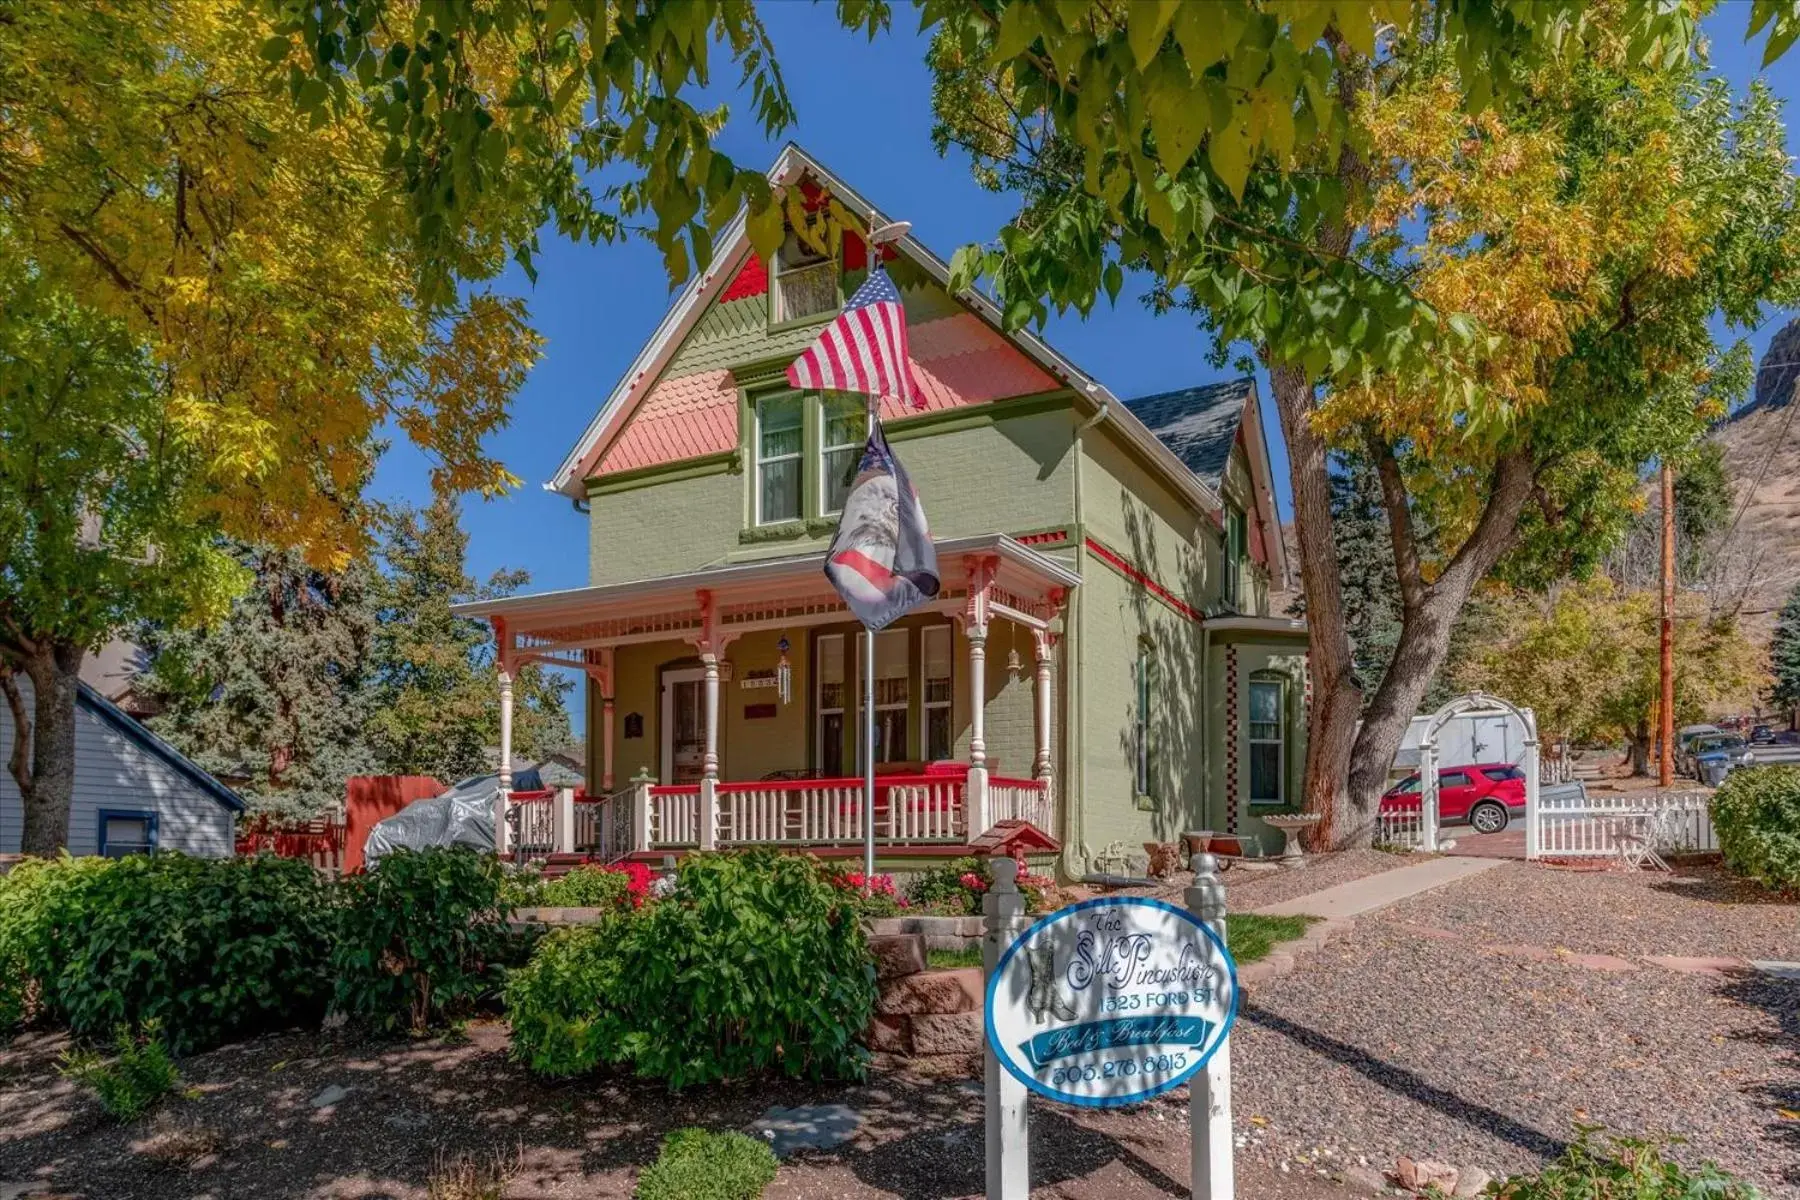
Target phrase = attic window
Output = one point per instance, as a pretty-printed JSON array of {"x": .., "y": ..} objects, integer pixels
[{"x": 805, "y": 283}]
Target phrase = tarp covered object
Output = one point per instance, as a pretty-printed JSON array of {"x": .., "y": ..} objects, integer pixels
[{"x": 462, "y": 816}]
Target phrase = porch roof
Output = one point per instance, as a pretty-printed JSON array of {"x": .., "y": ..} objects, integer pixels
[{"x": 1027, "y": 586}]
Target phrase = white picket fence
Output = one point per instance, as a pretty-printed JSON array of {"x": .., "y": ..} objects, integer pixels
[
  {"x": 1577, "y": 826},
  {"x": 1400, "y": 828}
]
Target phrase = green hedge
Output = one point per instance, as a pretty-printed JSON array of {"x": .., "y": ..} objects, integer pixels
[
  {"x": 209, "y": 948},
  {"x": 754, "y": 963},
  {"x": 1756, "y": 814},
  {"x": 423, "y": 939}
]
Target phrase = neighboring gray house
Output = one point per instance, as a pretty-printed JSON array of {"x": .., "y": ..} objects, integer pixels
[{"x": 133, "y": 791}]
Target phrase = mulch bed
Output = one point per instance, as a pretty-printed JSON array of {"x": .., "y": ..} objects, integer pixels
[
  {"x": 1425, "y": 1033},
  {"x": 248, "y": 1129}
]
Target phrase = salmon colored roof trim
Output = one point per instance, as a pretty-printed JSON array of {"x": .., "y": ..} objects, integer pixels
[
  {"x": 1118, "y": 562},
  {"x": 960, "y": 361}
]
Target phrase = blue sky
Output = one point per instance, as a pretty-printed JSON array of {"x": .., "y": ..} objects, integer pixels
[{"x": 864, "y": 109}]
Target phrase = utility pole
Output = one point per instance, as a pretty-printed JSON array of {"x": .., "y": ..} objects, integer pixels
[{"x": 1665, "y": 769}]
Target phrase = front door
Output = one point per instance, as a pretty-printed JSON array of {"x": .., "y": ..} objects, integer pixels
[{"x": 683, "y": 725}]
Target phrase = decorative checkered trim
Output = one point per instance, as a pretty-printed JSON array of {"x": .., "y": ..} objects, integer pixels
[{"x": 1231, "y": 739}]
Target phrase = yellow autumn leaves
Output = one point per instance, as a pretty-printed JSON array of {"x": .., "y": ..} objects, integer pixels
[{"x": 154, "y": 166}]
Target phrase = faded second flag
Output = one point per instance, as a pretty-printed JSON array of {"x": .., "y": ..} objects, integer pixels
[{"x": 882, "y": 560}]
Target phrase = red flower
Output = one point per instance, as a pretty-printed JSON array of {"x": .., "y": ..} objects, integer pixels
[{"x": 973, "y": 882}]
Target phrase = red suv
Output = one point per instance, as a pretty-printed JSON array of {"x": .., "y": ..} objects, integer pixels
[{"x": 1484, "y": 795}]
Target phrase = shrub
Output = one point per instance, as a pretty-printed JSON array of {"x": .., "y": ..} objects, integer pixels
[
  {"x": 697, "y": 1164},
  {"x": 870, "y": 896},
  {"x": 422, "y": 940},
  {"x": 568, "y": 1006},
  {"x": 617, "y": 887},
  {"x": 1626, "y": 1168},
  {"x": 1756, "y": 814},
  {"x": 29, "y": 948},
  {"x": 208, "y": 948},
  {"x": 953, "y": 887},
  {"x": 753, "y": 963},
  {"x": 140, "y": 1075}
]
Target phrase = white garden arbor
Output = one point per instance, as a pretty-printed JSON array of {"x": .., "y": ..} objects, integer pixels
[{"x": 1473, "y": 702}]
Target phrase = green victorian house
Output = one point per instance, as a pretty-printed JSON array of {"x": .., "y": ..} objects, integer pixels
[{"x": 1100, "y": 671}]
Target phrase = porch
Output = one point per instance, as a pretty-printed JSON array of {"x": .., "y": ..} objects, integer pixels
[
  {"x": 725, "y": 707},
  {"x": 919, "y": 812}
]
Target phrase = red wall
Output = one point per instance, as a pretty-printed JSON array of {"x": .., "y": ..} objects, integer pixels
[{"x": 372, "y": 798}]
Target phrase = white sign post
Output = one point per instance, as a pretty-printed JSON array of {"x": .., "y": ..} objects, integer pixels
[{"x": 1106, "y": 1003}]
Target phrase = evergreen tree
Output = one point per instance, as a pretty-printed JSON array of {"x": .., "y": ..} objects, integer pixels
[
  {"x": 276, "y": 696},
  {"x": 436, "y": 708},
  {"x": 1784, "y": 656}
]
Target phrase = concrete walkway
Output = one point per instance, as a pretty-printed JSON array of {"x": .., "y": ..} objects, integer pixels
[{"x": 1378, "y": 891}]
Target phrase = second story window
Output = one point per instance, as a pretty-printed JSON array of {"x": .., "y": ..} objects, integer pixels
[
  {"x": 780, "y": 457},
  {"x": 844, "y": 428},
  {"x": 805, "y": 283},
  {"x": 1236, "y": 546}
]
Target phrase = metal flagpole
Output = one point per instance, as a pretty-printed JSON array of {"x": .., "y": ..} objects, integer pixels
[{"x": 868, "y": 757}]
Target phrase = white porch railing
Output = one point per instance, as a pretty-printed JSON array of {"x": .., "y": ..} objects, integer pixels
[
  {"x": 1576, "y": 826},
  {"x": 908, "y": 809},
  {"x": 674, "y": 815},
  {"x": 1019, "y": 800},
  {"x": 534, "y": 825}
]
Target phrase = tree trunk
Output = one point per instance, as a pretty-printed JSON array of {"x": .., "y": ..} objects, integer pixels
[
  {"x": 1331, "y": 726},
  {"x": 43, "y": 758},
  {"x": 1639, "y": 751},
  {"x": 1428, "y": 614}
]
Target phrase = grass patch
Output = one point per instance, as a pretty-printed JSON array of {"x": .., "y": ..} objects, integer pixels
[
  {"x": 129, "y": 1084},
  {"x": 698, "y": 1164},
  {"x": 946, "y": 960},
  {"x": 1252, "y": 935}
]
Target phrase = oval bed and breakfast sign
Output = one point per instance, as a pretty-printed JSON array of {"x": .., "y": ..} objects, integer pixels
[{"x": 1111, "y": 1001}]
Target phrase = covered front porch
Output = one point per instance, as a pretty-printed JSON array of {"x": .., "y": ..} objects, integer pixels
[{"x": 725, "y": 708}]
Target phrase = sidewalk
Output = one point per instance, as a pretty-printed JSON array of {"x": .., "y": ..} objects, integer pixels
[{"x": 1378, "y": 891}]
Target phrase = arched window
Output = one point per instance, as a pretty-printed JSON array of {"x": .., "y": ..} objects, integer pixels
[{"x": 1268, "y": 738}]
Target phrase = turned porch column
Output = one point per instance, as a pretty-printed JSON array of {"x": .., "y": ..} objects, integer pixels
[
  {"x": 1045, "y": 644},
  {"x": 601, "y": 672},
  {"x": 975, "y": 628},
  {"x": 710, "y": 646},
  {"x": 502, "y": 795}
]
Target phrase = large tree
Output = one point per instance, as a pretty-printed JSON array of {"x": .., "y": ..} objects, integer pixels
[
  {"x": 1584, "y": 657},
  {"x": 1784, "y": 657},
  {"x": 1488, "y": 291},
  {"x": 435, "y": 707},
  {"x": 276, "y": 696},
  {"x": 94, "y": 535}
]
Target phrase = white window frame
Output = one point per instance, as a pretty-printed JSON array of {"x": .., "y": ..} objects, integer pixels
[
  {"x": 825, "y": 449},
  {"x": 820, "y": 711},
  {"x": 927, "y": 705},
  {"x": 1279, "y": 741},
  {"x": 759, "y": 460}
]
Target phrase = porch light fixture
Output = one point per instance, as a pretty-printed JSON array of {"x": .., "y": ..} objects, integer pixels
[{"x": 1015, "y": 667}]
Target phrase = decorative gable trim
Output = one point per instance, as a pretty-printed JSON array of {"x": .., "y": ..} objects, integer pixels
[{"x": 730, "y": 271}]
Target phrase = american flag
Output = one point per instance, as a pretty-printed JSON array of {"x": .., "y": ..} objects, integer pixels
[{"x": 864, "y": 349}]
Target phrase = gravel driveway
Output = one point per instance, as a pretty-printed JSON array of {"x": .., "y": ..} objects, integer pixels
[{"x": 1417, "y": 1034}]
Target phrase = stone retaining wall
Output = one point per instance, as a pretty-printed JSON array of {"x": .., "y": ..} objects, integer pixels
[
  {"x": 920, "y": 1012},
  {"x": 940, "y": 933}
]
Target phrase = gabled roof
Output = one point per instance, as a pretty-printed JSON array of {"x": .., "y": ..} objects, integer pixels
[
  {"x": 112, "y": 715},
  {"x": 733, "y": 247},
  {"x": 1200, "y": 424}
]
